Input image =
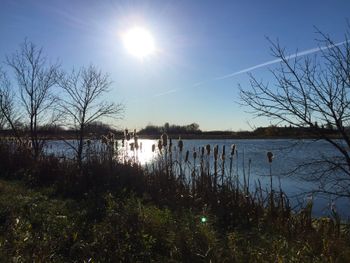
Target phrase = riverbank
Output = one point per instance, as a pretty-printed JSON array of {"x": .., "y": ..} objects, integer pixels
[
  {"x": 106, "y": 211},
  {"x": 38, "y": 225}
]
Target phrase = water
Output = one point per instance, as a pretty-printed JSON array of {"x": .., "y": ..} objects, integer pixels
[{"x": 288, "y": 155}]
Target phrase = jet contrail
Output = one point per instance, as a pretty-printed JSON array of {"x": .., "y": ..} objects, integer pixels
[
  {"x": 165, "y": 92},
  {"x": 299, "y": 54},
  {"x": 295, "y": 55}
]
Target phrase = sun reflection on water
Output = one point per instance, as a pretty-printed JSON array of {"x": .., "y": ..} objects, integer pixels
[{"x": 144, "y": 154}]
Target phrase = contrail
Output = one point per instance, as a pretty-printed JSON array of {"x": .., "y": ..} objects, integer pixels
[
  {"x": 271, "y": 62},
  {"x": 299, "y": 54},
  {"x": 165, "y": 92},
  {"x": 198, "y": 84}
]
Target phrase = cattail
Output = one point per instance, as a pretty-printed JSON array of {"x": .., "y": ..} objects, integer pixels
[
  {"x": 216, "y": 152},
  {"x": 110, "y": 136},
  {"x": 104, "y": 139},
  {"x": 207, "y": 147},
  {"x": 333, "y": 206},
  {"x": 123, "y": 141},
  {"x": 170, "y": 144},
  {"x": 160, "y": 145},
  {"x": 233, "y": 149},
  {"x": 153, "y": 147},
  {"x": 270, "y": 156},
  {"x": 202, "y": 151},
  {"x": 223, "y": 153},
  {"x": 136, "y": 140},
  {"x": 132, "y": 146},
  {"x": 187, "y": 154},
  {"x": 164, "y": 139},
  {"x": 180, "y": 144},
  {"x": 194, "y": 154}
]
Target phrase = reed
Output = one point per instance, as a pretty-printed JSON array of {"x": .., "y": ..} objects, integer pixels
[
  {"x": 223, "y": 156},
  {"x": 192, "y": 181}
]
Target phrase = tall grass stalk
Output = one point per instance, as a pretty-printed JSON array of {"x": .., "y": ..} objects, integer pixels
[
  {"x": 244, "y": 174},
  {"x": 223, "y": 165}
]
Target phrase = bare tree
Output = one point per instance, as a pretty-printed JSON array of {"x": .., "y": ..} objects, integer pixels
[
  {"x": 83, "y": 103},
  {"x": 9, "y": 114},
  {"x": 35, "y": 78},
  {"x": 314, "y": 93},
  {"x": 4, "y": 89}
]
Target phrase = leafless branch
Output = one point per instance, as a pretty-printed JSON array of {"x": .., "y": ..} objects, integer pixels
[
  {"x": 35, "y": 78},
  {"x": 83, "y": 103},
  {"x": 308, "y": 92}
]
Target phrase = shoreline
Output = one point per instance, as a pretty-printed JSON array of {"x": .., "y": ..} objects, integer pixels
[{"x": 186, "y": 137}]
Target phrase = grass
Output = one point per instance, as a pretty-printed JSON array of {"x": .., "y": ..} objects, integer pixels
[{"x": 113, "y": 211}]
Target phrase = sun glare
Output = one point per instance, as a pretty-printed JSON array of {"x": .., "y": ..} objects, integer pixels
[{"x": 139, "y": 42}]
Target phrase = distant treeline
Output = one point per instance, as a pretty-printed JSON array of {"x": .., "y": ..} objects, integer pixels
[
  {"x": 288, "y": 132},
  {"x": 95, "y": 129},
  {"x": 193, "y": 131},
  {"x": 192, "y": 128},
  {"x": 190, "y": 131}
]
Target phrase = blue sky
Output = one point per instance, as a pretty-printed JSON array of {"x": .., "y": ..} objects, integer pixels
[{"x": 198, "y": 42}]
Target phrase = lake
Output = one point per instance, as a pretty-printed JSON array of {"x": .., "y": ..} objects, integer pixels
[{"x": 251, "y": 158}]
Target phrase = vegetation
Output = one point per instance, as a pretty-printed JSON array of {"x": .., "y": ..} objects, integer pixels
[
  {"x": 103, "y": 206},
  {"x": 110, "y": 209},
  {"x": 46, "y": 97},
  {"x": 314, "y": 93},
  {"x": 81, "y": 106},
  {"x": 36, "y": 79},
  {"x": 192, "y": 129}
]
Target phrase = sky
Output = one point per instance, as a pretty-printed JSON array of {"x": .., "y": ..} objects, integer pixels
[{"x": 204, "y": 50}]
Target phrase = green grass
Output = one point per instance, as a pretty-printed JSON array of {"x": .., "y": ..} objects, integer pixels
[{"x": 37, "y": 227}]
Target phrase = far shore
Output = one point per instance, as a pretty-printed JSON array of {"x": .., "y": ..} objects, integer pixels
[
  {"x": 271, "y": 132},
  {"x": 201, "y": 136}
]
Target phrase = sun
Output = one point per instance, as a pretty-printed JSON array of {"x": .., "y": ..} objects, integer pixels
[{"x": 139, "y": 42}]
